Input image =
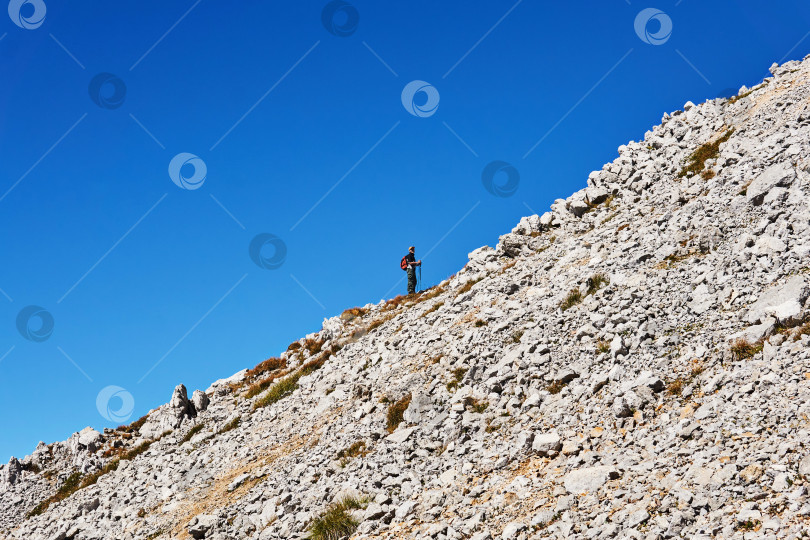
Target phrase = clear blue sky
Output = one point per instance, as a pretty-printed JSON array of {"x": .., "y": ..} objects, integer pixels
[{"x": 139, "y": 274}]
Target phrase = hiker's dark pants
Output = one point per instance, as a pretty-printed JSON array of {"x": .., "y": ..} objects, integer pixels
[{"x": 411, "y": 280}]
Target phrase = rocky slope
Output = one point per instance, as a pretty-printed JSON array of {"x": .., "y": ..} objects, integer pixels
[{"x": 634, "y": 363}]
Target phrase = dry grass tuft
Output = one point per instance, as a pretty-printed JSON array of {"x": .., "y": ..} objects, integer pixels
[
  {"x": 353, "y": 313},
  {"x": 233, "y": 424},
  {"x": 743, "y": 349},
  {"x": 475, "y": 405},
  {"x": 356, "y": 449},
  {"x": 433, "y": 308},
  {"x": 458, "y": 375},
  {"x": 573, "y": 298},
  {"x": 279, "y": 391},
  {"x": 190, "y": 433},
  {"x": 467, "y": 286},
  {"x": 336, "y": 522},
  {"x": 395, "y": 411},
  {"x": 697, "y": 161}
]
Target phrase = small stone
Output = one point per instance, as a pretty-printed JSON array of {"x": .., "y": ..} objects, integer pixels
[{"x": 546, "y": 444}]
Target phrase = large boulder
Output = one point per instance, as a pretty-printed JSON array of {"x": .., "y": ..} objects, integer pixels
[
  {"x": 90, "y": 439},
  {"x": 171, "y": 415},
  {"x": 527, "y": 225},
  {"x": 588, "y": 479},
  {"x": 11, "y": 472},
  {"x": 200, "y": 400},
  {"x": 418, "y": 408},
  {"x": 784, "y": 302},
  {"x": 199, "y": 526},
  {"x": 779, "y": 175},
  {"x": 547, "y": 444}
]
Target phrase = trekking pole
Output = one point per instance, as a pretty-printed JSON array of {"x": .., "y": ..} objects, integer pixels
[{"x": 420, "y": 277}]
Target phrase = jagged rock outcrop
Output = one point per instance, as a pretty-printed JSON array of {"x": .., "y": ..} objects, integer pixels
[{"x": 633, "y": 363}]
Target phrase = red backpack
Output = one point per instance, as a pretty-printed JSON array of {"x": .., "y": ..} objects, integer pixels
[{"x": 404, "y": 263}]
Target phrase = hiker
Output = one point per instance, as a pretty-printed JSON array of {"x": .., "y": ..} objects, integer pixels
[{"x": 409, "y": 263}]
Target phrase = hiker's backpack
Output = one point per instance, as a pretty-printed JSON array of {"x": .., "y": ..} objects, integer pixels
[{"x": 404, "y": 263}]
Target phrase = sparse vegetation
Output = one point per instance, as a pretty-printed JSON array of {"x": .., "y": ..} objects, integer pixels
[
  {"x": 353, "y": 313},
  {"x": 735, "y": 99},
  {"x": 750, "y": 525},
  {"x": 596, "y": 282},
  {"x": 356, "y": 449},
  {"x": 76, "y": 481},
  {"x": 515, "y": 337},
  {"x": 135, "y": 426},
  {"x": 479, "y": 323},
  {"x": 258, "y": 387},
  {"x": 573, "y": 298},
  {"x": 269, "y": 365},
  {"x": 467, "y": 286},
  {"x": 395, "y": 411},
  {"x": 743, "y": 349},
  {"x": 433, "y": 308},
  {"x": 70, "y": 485},
  {"x": 602, "y": 346},
  {"x": 677, "y": 386},
  {"x": 190, "y": 433},
  {"x": 710, "y": 150},
  {"x": 458, "y": 375},
  {"x": 313, "y": 346},
  {"x": 233, "y": 424},
  {"x": 475, "y": 405},
  {"x": 279, "y": 390},
  {"x": 556, "y": 387},
  {"x": 610, "y": 217},
  {"x": 336, "y": 522}
]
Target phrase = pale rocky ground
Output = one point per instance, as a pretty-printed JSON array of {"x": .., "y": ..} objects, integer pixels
[{"x": 625, "y": 416}]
